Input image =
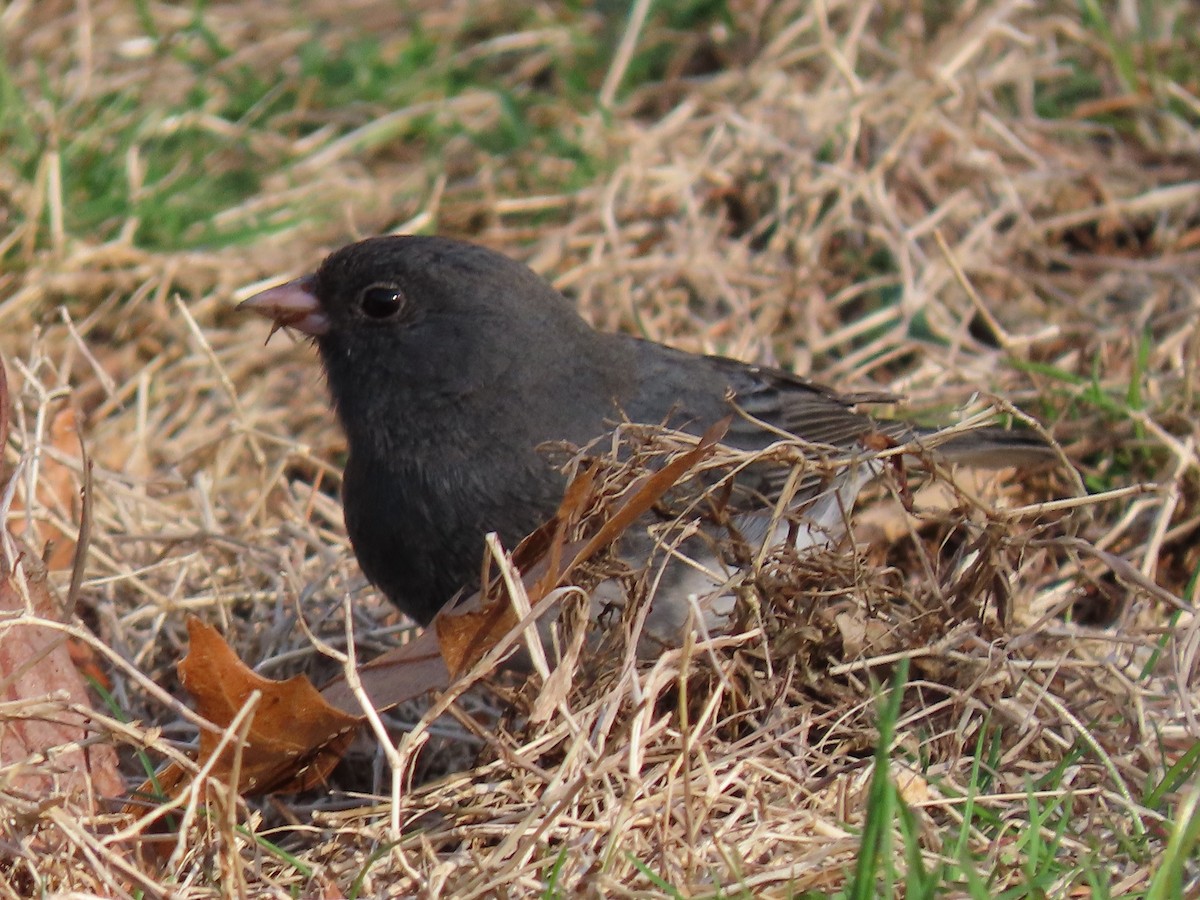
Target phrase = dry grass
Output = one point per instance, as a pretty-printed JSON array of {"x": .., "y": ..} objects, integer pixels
[{"x": 965, "y": 198}]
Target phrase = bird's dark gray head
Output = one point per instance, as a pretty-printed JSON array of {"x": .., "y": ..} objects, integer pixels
[
  {"x": 410, "y": 325},
  {"x": 417, "y": 283},
  {"x": 433, "y": 311}
]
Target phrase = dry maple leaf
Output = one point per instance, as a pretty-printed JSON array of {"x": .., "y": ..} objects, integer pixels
[{"x": 293, "y": 740}]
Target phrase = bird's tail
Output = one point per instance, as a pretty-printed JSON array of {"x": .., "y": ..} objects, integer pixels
[{"x": 991, "y": 447}]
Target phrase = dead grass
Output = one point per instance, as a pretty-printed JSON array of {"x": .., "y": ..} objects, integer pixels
[{"x": 934, "y": 204}]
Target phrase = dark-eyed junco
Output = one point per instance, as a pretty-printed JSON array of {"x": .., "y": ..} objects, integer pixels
[{"x": 450, "y": 365}]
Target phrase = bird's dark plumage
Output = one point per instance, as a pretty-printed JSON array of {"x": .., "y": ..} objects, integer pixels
[{"x": 449, "y": 364}]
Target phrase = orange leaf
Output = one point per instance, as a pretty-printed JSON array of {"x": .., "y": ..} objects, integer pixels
[
  {"x": 57, "y": 490},
  {"x": 3, "y": 405},
  {"x": 294, "y": 738},
  {"x": 466, "y": 637},
  {"x": 36, "y": 665},
  {"x": 395, "y": 676}
]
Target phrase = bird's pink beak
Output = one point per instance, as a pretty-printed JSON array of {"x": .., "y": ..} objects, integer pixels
[{"x": 291, "y": 305}]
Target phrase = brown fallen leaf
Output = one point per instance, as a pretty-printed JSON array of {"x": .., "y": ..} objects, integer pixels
[
  {"x": 394, "y": 677},
  {"x": 44, "y": 732},
  {"x": 3, "y": 405},
  {"x": 890, "y": 520},
  {"x": 57, "y": 489},
  {"x": 294, "y": 738},
  {"x": 862, "y": 634},
  {"x": 468, "y": 632}
]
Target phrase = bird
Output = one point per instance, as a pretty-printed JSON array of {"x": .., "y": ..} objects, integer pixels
[{"x": 452, "y": 366}]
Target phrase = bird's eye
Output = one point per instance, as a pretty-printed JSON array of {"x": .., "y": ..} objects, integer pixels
[{"x": 381, "y": 301}]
